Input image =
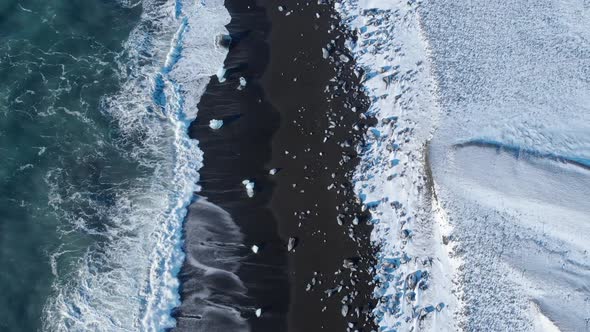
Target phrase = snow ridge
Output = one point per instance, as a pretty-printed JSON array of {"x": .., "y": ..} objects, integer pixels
[{"x": 415, "y": 268}]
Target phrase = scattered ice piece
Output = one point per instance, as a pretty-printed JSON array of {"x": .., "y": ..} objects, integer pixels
[
  {"x": 255, "y": 249},
  {"x": 344, "y": 310},
  {"x": 215, "y": 124},
  {"x": 242, "y": 83},
  {"x": 272, "y": 171},
  {"x": 249, "y": 187},
  {"x": 292, "y": 243},
  {"x": 258, "y": 312},
  {"x": 281, "y": 8},
  {"x": 349, "y": 263},
  {"x": 325, "y": 53}
]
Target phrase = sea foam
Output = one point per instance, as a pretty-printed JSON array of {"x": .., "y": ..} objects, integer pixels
[{"x": 128, "y": 280}]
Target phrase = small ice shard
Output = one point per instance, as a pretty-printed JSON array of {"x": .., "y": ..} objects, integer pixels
[
  {"x": 292, "y": 243},
  {"x": 258, "y": 312},
  {"x": 221, "y": 75},
  {"x": 249, "y": 187},
  {"x": 281, "y": 8},
  {"x": 325, "y": 53},
  {"x": 273, "y": 171},
  {"x": 215, "y": 124},
  {"x": 255, "y": 249},
  {"x": 242, "y": 83},
  {"x": 344, "y": 310},
  {"x": 349, "y": 263}
]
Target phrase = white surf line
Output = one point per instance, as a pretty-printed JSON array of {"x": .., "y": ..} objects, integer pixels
[
  {"x": 414, "y": 268},
  {"x": 130, "y": 283},
  {"x": 192, "y": 59}
]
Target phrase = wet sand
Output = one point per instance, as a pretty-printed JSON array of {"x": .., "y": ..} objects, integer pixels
[{"x": 279, "y": 120}]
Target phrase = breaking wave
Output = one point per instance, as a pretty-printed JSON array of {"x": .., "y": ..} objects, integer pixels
[{"x": 126, "y": 280}]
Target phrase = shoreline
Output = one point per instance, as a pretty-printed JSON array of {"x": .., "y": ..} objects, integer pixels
[{"x": 233, "y": 153}]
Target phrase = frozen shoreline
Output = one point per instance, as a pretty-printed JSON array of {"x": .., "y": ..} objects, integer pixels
[
  {"x": 414, "y": 270},
  {"x": 463, "y": 103}
]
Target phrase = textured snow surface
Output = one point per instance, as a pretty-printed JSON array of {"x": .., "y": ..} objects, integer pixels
[
  {"x": 415, "y": 271},
  {"x": 477, "y": 174},
  {"x": 511, "y": 157}
]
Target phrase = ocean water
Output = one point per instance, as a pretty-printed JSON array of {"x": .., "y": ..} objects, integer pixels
[{"x": 97, "y": 168}]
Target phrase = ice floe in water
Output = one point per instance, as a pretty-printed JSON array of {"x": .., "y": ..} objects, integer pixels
[
  {"x": 128, "y": 280},
  {"x": 477, "y": 170}
]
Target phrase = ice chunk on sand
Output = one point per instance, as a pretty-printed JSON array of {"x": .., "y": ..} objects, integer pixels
[
  {"x": 255, "y": 249},
  {"x": 258, "y": 312},
  {"x": 292, "y": 243},
  {"x": 215, "y": 124},
  {"x": 242, "y": 83},
  {"x": 272, "y": 171},
  {"x": 249, "y": 185},
  {"x": 344, "y": 310}
]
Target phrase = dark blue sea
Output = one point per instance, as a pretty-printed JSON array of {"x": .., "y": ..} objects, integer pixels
[{"x": 96, "y": 167}]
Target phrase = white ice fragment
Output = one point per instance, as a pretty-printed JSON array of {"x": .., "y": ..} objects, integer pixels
[
  {"x": 344, "y": 310},
  {"x": 258, "y": 312},
  {"x": 292, "y": 243},
  {"x": 325, "y": 53},
  {"x": 272, "y": 171},
  {"x": 255, "y": 249},
  {"x": 215, "y": 124},
  {"x": 242, "y": 83},
  {"x": 281, "y": 8},
  {"x": 249, "y": 185},
  {"x": 221, "y": 75}
]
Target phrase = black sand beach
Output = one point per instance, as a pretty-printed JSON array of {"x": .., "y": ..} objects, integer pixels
[{"x": 279, "y": 120}]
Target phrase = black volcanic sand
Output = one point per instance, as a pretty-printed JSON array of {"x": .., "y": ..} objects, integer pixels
[
  {"x": 279, "y": 120},
  {"x": 313, "y": 187}
]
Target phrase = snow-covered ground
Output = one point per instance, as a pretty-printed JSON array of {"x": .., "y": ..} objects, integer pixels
[{"x": 478, "y": 171}]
